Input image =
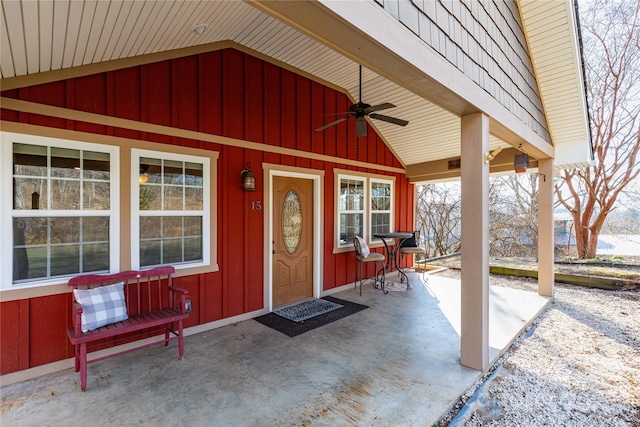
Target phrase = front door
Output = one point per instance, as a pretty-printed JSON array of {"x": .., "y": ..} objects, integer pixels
[{"x": 293, "y": 239}]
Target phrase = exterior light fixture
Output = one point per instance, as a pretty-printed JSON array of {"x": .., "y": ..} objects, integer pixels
[
  {"x": 248, "y": 178},
  {"x": 520, "y": 162},
  {"x": 490, "y": 156}
]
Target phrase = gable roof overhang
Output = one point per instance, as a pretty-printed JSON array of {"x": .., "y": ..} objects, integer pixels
[{"x": 323, "y": 40}]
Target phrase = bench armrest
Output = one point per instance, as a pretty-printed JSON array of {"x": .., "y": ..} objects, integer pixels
[
  {"x": 181, "y": 303},
  {"x": 77, "y": 318}
]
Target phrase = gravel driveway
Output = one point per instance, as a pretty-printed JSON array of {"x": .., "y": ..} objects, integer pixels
[{"x": 577, "y": 365}]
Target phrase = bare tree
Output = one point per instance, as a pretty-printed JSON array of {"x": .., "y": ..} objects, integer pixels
[
  {"x": 611, "y": 41},
  {"x": 513, "y": 215},
  {"x": 438, "y": 218}
]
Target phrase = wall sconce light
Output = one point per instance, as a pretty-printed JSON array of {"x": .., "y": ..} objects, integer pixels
[
  {"x": 144, "y": 175},
  {"x": 490, "y": 156},
  {"x": 248, "y": 178}
]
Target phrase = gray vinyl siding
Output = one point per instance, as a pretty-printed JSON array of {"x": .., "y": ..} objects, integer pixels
[{"x": 485, "y": 41}]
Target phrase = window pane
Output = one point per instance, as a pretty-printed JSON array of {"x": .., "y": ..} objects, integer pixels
[
  {"x": 36, "y": 263},
  {"x": 150, "y": 170},
  {"x": 95, "y": 229},
  {"x": 171, "y": 251},
  {"x": 380, "y": 197},
  {"x": 173, "y": 198},
  {"x": 193, "y": 249},
  {"x": 64, "y": 230},
  {"x": 150, "y": 227},
  {"x": 193, "y": 226},
  {"x": 351, "y": 195},
  {"x": 193, "y": 174},
  {"x": 29, "y": 160},
  {"x": 95, "y": 165},
  {"x": 65, "y": 163},
  {"x": 380, "y": 223},
  {"x": 150, "y": 197},
  {"x": 193, "y": 199},
  {"x": 351, "y": 225},
  {"x": 181, "y": 240},
  {"x": 95, "y": 257},
  {"x": 350, "y": 199},
  {"x": 171, "y": 226},
  {"x": 65, "y": 259},
  {"x": 356, "y": 199},
  {"x": 36, "y": 230},
  {"x": 47, "y": 247},
  {"x": 65, "y": 166},
  {"x": 173, "y": 172},
  {"x": 21, "y": 229},
  {"x": 149, "y": 253},
  {"x": 65, "y": 194},
  {"x": 96, "y": 195},
  {"x": 30, "y": 193}
]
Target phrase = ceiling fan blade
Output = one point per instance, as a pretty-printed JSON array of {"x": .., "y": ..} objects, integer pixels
[
  {"x": 378, "y": 107},
  {"x": 361, "y": 126},
  {"x": 335, "y": 122},
  {"x": 388, "y": 119}
]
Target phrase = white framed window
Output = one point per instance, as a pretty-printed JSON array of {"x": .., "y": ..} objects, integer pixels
[
  {"x": 351, "y": 208},
  {"x": 364, "y": 206},
  {"x": 169, "y": 221},
  {"x": 63, "y": 218},
  {"x": 381, "y": 203}
]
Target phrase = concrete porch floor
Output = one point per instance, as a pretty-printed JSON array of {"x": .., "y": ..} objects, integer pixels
[{"x": 394, "y": 364}]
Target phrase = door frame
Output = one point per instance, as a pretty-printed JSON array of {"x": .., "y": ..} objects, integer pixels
[{"x": 317, "y": 176}]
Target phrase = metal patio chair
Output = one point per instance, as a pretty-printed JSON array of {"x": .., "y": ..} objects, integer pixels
[
  {"x": 412, "y": 247},
  {"x": 363, "y": 256}
]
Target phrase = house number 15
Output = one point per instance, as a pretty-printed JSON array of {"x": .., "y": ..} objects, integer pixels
[{"x": 256, "y": 205}]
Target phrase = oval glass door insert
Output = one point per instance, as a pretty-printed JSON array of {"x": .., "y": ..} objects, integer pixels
[{"x": 292, "y": 221}]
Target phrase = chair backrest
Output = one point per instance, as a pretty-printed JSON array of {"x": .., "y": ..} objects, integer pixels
[
  {"x": 144, "y": 291},
  {"x": 411, "y": 242}
]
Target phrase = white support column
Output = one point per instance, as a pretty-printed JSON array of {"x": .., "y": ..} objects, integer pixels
[
  {"x": 546, "y": 276},
  {"x": 474, "y": 340}
]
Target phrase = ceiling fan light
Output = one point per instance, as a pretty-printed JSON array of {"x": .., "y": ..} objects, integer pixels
[{"x": 361, "y": 127}]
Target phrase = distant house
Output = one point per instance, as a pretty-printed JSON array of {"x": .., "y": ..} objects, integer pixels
[{"x": 564, "y": 238}]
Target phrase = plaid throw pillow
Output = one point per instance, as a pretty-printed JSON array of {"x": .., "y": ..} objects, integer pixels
[
  {"x": 364, "y": 248},
  {"x": 101, "y": 306}
]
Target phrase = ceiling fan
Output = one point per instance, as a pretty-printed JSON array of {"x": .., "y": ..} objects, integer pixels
[{"x": 361, "y": 110}]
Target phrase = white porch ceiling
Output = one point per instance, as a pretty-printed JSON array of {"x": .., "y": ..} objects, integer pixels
[{"x": 45, "y": 35}]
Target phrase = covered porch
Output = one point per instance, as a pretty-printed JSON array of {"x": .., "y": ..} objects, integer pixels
[
  {"x": 262, "y": 81},
  {"x": 395, "y": 363}
]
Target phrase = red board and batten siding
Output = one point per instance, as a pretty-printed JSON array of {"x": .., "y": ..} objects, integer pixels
[{"x": 226, "y": 93}]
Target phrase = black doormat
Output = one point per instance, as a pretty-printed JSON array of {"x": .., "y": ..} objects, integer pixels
[{"x": 291, "y": 328}]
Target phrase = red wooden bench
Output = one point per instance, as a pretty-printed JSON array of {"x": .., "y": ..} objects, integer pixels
[{"x": 152, "y": 305}]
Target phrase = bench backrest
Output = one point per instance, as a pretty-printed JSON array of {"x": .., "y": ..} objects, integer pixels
[{"x": 144, "y": 290}]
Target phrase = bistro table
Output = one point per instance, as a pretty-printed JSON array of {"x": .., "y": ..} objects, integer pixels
[{"x": 392, "y": 252}]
